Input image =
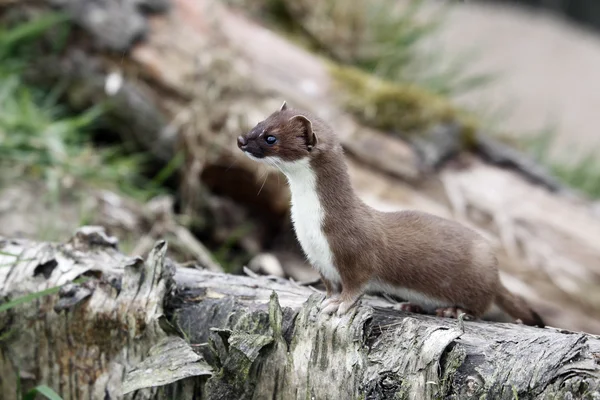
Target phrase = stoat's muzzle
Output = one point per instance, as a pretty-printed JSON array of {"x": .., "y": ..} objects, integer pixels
[{"x": 250, "y": 147}]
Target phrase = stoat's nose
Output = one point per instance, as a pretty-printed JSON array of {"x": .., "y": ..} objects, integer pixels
[{"x": 242, "y": 142}]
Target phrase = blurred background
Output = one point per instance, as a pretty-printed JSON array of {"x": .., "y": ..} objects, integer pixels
[{"x": 125, "y": 114}]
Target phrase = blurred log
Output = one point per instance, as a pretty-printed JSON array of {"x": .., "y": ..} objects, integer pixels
[
  {"x": 154, "y": 330},
  {"x": 205, "y": 72}
]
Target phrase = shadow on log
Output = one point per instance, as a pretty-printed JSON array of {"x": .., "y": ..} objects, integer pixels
[{"x": 154, "y": 330}]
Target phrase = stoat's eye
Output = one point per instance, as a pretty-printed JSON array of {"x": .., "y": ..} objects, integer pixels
[{"x": 270, "y": 139}]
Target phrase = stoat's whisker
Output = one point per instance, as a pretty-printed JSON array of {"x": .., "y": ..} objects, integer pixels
[
  {"x": 232, "y": 164},
  {"x": 266, "y": 174}
]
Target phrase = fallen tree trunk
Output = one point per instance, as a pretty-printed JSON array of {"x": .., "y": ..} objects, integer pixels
[{"x": 153, "y": 330}]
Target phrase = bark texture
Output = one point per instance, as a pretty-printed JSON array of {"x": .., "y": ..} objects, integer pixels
[{"x": 153, "y": 330}]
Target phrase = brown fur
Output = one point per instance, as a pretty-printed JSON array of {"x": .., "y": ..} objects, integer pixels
[{"x": 437, "y": 257}]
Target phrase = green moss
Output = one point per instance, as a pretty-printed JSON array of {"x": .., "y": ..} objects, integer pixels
[
  {"x": 275, "y": 315},
  {"x": 452, "y": 362},
  {"x": 400, "y": 108},
  {"x": 240, "y": 353},
  {"x": 255, "y": 323},
  {"x": 403, "y": 392},
  {"x": 233, "y": 377}
]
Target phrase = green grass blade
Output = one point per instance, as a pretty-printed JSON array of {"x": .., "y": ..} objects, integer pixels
[
  {"x": 29, "y": 30},
  {"x": 33, "y": 296},
  {"x": 43, "y": 390},
  {"x": 27, "y": 298},
  {"x": 169, "y": 169},
  {"x": 10, "y": 264}
]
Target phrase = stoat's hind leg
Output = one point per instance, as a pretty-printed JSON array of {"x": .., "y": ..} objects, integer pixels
[
  {"x": 411, "y": 308},
  {"x": 454, "y": 312}
]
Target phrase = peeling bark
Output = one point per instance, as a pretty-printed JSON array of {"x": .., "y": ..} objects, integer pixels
[
  {"x": 81, "y": 341},
  {"x": 160, "y": 331}
]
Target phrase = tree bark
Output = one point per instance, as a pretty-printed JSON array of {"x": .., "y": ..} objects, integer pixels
[{"x": 154, "y": 330}]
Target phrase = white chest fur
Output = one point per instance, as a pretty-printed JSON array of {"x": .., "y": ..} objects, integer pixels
[{"x": 307, "y": 217}]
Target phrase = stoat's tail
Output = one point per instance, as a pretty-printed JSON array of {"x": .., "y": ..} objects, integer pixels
[{"x": 517, "y": 308}]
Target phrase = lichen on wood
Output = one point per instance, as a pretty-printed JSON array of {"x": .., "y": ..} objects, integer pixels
[{"x": 228, "y": 336}]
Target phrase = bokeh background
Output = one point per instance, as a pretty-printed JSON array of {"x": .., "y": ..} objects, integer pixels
[{"x": 124, "y": 114}]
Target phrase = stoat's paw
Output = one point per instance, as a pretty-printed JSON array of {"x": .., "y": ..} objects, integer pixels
[
  {"x": 329, "y": 301},
  {"x": 332, "y": 307},
  {"x": 454, "y": 312},
  {"x": 344, "y": 307},
  {"x": 411, "y": 308}
]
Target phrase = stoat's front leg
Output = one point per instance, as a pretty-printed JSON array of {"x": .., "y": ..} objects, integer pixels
[
  {"x": 352, "y": 289},
  {"x": 332, "y": 292}
]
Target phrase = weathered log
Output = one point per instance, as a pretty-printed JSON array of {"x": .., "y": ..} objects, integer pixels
[
  {"x": 154, "y": 330},
  {"x": 205, "y": 72}
]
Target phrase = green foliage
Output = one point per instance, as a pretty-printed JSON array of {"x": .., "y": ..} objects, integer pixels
[
  {"x": 385, "y": 38},
  {"x": 40, "y": 139},
  {"x": 394, "y": 50},
  {"x": 16, "y": 41},
  {"x": 582, "y": 174}
]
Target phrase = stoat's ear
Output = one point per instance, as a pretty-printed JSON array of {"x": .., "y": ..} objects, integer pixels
[
  {"x": 283, "y": 106},
  {"x": 309, "y": 135}
]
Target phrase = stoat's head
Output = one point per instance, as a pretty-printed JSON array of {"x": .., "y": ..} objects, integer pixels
[{"x": 286, "y": 136}]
